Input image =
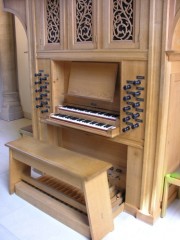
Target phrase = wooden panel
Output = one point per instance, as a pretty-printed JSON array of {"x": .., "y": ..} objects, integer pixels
[
  {"x": 102, "y": 56},
  {"x": 61, "y": 72},
  {"x": 54, "y": 135},
  {"x": 90, "y": 145},
  {"x": 54, "y": 208},
  {"x": 171, "y": 9},
  {"x": 93, "y": 80},
  {"x": 43, "y": 65},
  {"x": 93, "y": 146},
  {"x": 144, "y": 26},
  {"x": 173, "y": 56},
  {"x": 173, "y": 132},
  {"x": 134, "y": 177},
  {"x": 60, "y": 81},
  {"x": 40, "y": 29},
  {"x": 47, "y": 168},
  {"x": 98, "y": 206}
]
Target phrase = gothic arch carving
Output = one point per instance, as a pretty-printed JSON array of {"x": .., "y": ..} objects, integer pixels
[{"x": 18, "y": 8}]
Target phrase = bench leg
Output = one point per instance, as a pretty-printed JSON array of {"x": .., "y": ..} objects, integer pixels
[
  {"x": 98, "y": 206},
  {"x": 165, "y": 197},
  {"x": 16, "y": 169}
]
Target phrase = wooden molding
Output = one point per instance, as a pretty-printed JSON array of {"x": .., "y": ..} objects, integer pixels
[{"x": 173, "y": 56}]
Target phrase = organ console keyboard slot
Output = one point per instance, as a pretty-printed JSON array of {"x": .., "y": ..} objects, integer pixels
[{"x": 91, "y": 103}]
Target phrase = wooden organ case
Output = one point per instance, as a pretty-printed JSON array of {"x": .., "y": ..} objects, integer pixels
[{"x": 101, "y": 80}]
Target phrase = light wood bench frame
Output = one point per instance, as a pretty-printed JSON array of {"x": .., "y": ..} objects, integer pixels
[
  {"x": 170, "y": 178},
  {"x": 86, "y": 173}
]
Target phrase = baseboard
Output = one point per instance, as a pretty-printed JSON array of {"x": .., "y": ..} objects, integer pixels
[
  {"x": 147, "y": 218},
  {"x": 130, "y": 209}
]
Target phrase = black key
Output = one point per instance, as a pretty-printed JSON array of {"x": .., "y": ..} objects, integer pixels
[
  {"x": 94, "y": 123},
  {"x": 87, "y": 121},
  {"x": 100, "y": 124},
  {"x": 80, "y": 120},
  {"x": 107, "y": 125},
  {"x": 74, "y": 118}
]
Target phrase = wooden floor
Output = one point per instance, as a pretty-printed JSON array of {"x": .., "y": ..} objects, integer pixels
[{"x": 21, "y": 221}]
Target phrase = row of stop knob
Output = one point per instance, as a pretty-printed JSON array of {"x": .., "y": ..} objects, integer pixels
[
  {"x": 133, "y": 91},
  {"x": 43, "y": 92}
]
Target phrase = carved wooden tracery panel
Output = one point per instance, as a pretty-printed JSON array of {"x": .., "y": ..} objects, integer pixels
[
  {"x": 88, "y": 28},
  {"x": 121, "y": 23},
  {"x": 84, "y": 20},
  {"x": 53, "y": 21},
  {"x": 122, "y": 19}
]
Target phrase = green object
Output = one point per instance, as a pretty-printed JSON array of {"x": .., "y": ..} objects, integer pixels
[{"x": 175, "y": 175}]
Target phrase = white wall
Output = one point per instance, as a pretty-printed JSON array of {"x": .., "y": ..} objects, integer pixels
[{"x": 23, "y": 69}]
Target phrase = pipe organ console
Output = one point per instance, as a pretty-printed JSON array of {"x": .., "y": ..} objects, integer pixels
[
  {"x": 108, "y": 122},
  {"x": 104, "y": 106}
]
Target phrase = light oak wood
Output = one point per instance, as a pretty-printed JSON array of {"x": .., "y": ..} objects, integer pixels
[
  {"x": 80, "y": 171},
  {"x": 76, "y": 165},
  {"x": 134, "y": 175},
  {"x": 173, "y": 131},
  {"x": 72, "y": 28},
  {"x": 41, "y": 27},
  {"x": 146, "y": 153},
  {"x": 151, "y": 167},
  {"x": 98, "y": 84},
  {"x": 101, "y": 56},
  {"x": 56, "y": 188},
  {"x": 108, "y": 27},
  {"x": 100, "y": 148},
  {"x": 54, "y": 208},
  {"x": 16, "y": 170},
  {"x": 100, "y": 203}
]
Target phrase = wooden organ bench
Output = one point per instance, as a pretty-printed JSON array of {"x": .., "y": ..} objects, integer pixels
[{"x": 73, "y": 188}]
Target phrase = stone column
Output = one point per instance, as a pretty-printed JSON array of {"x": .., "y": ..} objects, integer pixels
[{"x": 10, "y": 108}]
